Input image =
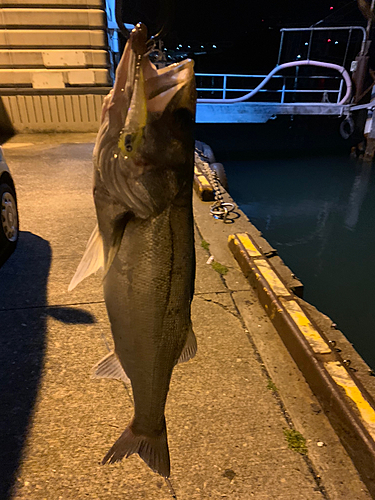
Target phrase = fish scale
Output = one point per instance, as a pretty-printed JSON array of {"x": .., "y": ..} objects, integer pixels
[{"x": 144, "y": 240}]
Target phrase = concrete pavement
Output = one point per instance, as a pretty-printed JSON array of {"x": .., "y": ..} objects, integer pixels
[{"x": 228, "y": 409}]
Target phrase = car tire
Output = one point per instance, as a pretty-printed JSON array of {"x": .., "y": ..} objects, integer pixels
[{"x": 9, "y": 225}]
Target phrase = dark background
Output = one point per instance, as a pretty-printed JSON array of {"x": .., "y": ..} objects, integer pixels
[{"x": 246, "y": 33}]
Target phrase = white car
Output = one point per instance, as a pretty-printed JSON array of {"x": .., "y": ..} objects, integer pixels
[{"x": 9, "y": 228}]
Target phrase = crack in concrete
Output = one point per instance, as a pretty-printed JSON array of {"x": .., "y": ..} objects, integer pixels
[
  {"x": 310, "y": 467},
  {"x": 228, "y": 291},
  {"x": 223, "y": 306},
  {"x": 284, "y": 411},
  {"x": 52, "y": 306}
]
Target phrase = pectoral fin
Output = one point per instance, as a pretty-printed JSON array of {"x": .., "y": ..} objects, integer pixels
[
  {"x": 92, "y": 260},
  {"x": 117, "y": 234},
  {"x": 110, "y": 367},
  {"x": 190, "y": 348}
]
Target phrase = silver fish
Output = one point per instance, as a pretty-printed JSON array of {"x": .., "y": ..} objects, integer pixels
[{"x": 143, "y": 174}]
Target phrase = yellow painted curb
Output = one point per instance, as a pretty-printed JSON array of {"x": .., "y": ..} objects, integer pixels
[
  {"x": 202, "y": 186},
  {"x": 344, "y": 380},
  {"x": 333, "y": 384},
  {"x": 310, "y": 333}
]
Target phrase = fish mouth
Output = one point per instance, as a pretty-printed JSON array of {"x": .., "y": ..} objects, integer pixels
[
  {"x": 160, "y": 85},
  {"x": 165, "y": 83},
  {"x": 156, "y": 87}
]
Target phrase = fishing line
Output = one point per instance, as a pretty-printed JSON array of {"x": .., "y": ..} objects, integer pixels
[
  {"x": 331, "y": 14},
  {"x": 164, "y": 21},
  {"x": 170, "y": 487},
  {"x": 106, "y": 343},
  {"x": 119, "y": 21}
]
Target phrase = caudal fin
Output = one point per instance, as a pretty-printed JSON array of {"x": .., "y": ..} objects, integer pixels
[{"x": 152, "y": 449}]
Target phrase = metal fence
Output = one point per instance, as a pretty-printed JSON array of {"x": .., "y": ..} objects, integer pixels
[{"x": 282, "y": 89}]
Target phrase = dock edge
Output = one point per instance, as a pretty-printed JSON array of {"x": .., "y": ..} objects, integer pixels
[{"x": 347, "y": 404}]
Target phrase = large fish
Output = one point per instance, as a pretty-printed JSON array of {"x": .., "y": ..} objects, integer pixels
[{"x": 143, "y": 173}]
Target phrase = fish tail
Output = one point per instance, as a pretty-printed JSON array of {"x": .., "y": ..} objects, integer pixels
[{"x": 152, "y": 449}]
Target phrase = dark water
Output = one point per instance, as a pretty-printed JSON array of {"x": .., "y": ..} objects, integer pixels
[{"x": 319, "y": 212}]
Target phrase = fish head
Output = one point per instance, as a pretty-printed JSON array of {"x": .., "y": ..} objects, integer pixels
[
  {"x": 155, "y": 94},
  {"x": 145, "y": 145}
]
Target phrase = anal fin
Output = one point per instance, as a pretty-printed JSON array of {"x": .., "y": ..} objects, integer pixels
[
  {"x": 92, "y": 260},
  {"x": 190, "y": 347},
  {"x": 110, "y": 367}
]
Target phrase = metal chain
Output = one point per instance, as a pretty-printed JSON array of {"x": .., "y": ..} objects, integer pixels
[{"x": 219, "y": 209}]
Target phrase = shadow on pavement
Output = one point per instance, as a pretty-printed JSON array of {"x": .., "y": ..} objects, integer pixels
[{"x": 23, "y": 329}]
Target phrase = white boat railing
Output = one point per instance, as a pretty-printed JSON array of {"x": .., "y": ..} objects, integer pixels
[
  {"x": 309, "y": 93},
  {"x": 290, "y": 88},
  {"x": 225, "y": 88}
]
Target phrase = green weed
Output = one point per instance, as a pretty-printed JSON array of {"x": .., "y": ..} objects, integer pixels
[
  {"x": 219, "y": 268},
  {"x": 296, "y": 441},
  {"x": 271, "y": 385},
  {"x": 205, "y": 245}
]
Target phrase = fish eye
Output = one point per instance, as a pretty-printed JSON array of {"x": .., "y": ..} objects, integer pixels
[{"x": 128, "y": 143}]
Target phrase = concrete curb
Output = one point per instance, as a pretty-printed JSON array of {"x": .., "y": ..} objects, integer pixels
[{"x": 349, "y": 407}]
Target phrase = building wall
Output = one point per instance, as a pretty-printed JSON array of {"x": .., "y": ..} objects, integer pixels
[{"x": 54, "y": 64}]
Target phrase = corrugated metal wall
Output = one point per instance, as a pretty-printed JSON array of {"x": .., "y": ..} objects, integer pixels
[
  {"x": 54, "y": 65},
  {"x": 74, "y": 113}
]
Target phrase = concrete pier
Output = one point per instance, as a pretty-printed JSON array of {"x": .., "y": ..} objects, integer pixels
[{"x": 242, "y": 421}]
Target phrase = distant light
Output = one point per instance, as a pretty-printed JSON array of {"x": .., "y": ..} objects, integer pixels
[
  {"x": 299, "y": 56},
  {"x": 331, "y": 8},
  {"x": 214, "y": 46},
  {"x": 329, "y": 40},
  {"x": 189, "y": 47},
  {"x": 262, "y": 20},
  {"x": 336, "y": 42},
  {"x": 202, "y": 46},
  {"x": 306, "y": 43},
  {"x": 180, "y": 45}
]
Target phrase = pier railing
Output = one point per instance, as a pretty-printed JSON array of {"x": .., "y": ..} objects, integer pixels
[
  {"x": 281, "y": 88},
  {"x": 311, "y": 46}
]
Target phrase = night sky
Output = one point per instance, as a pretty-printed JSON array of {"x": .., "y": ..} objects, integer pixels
[{"x": 246, "y": 33}]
